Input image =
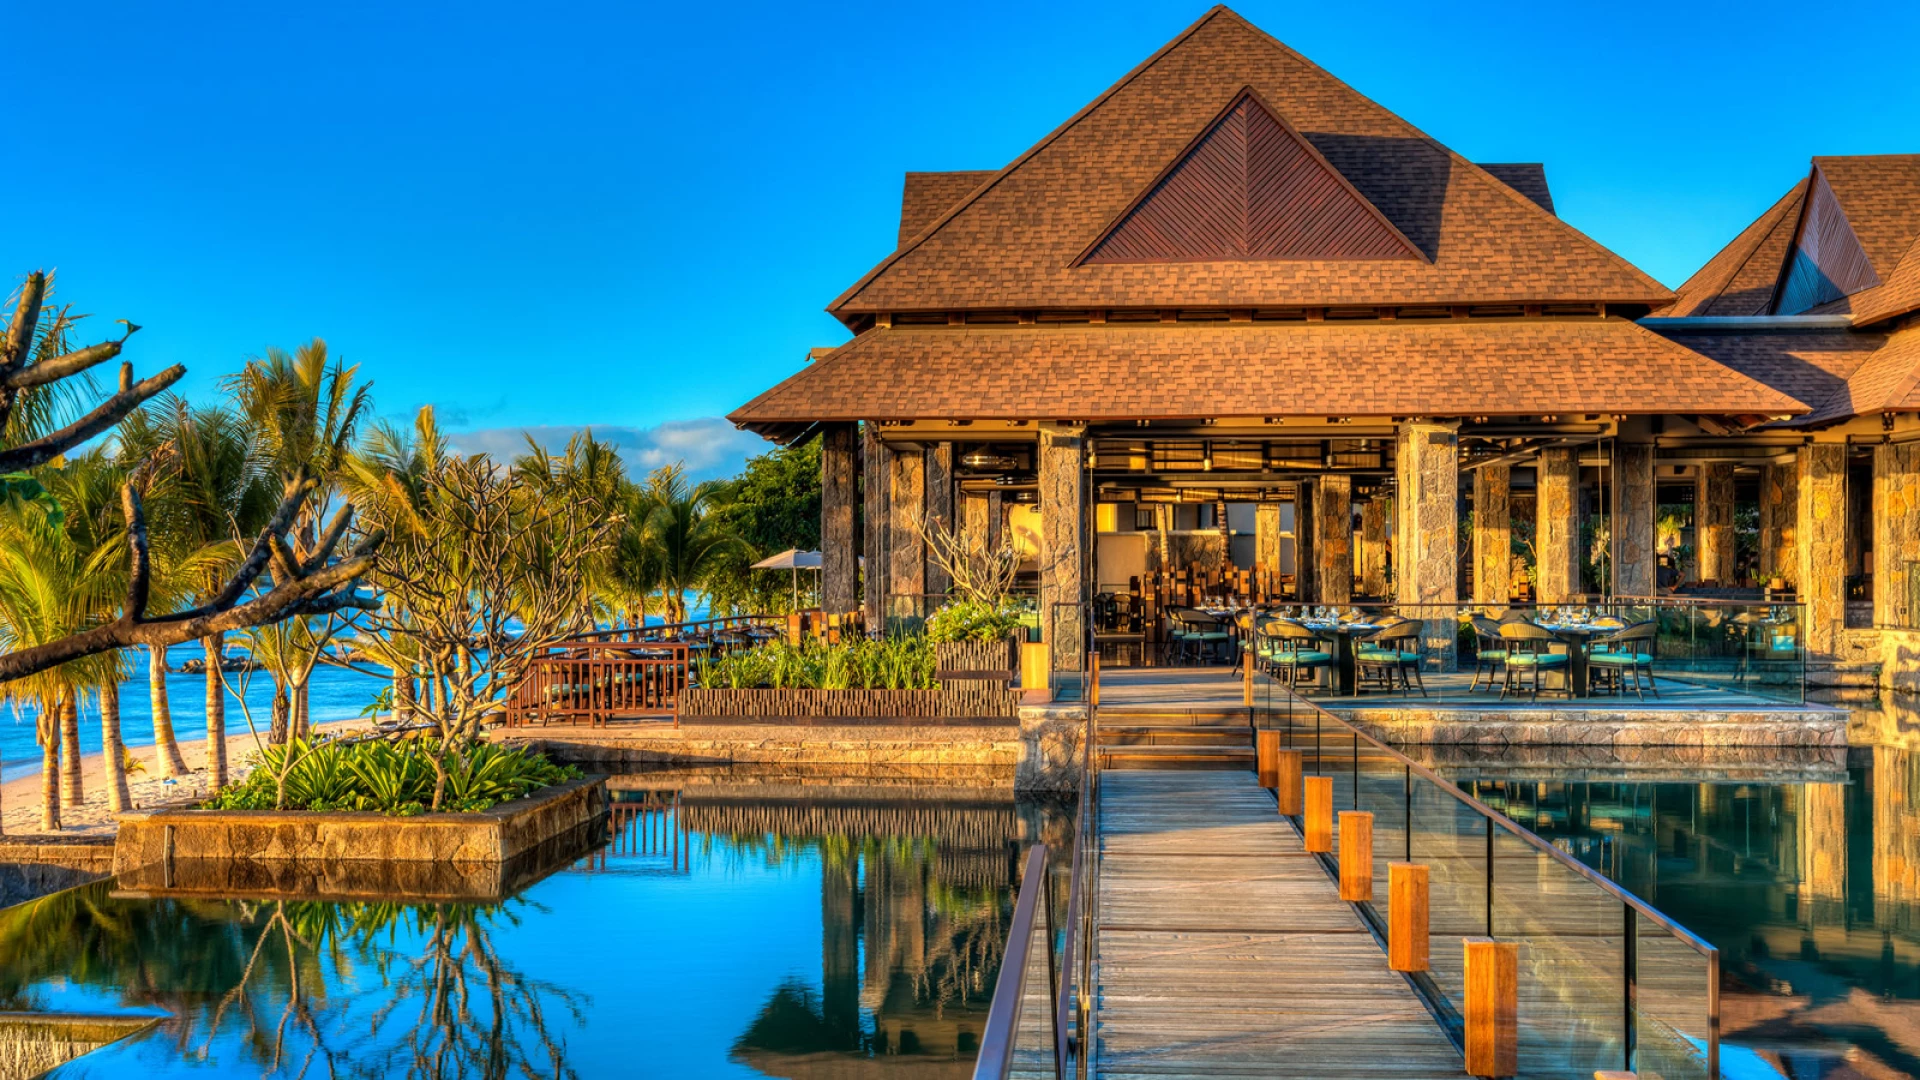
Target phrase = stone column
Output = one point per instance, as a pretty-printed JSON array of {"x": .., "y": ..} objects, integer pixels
[
  {"x": 976, "y": 534},
  {"x": 996, "y": 520},
  {"x": 939, "y": 509},
  {"x": 1556, "y": 532},
  {"x": 876, "y": 491},
  {"x": 1636, "y": 531},
  {"x": 1062, "y": 518},
  {"x": 839, "y": 546},
  {"x": 1333, "y": 547},
  {"x": 1713, "y": 523},
  {"x": 1373, "y": 547},
  {"x": 907, "y": 498},
  {"x": 1426, "y": 547},
  {"x": 1779, "y": 511},
  {"x": 1896, "y": 533},
  {"x": 1492, "y": 534},
  {"x": 1822, "y": 547},
  {"x": 1305, "y": 563},
  {"x": 1266, "y": 542}
]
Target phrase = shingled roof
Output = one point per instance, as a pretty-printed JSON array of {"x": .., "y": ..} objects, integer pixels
[
  {"x": 1187, "y": 371},
  {"x": 1014, "y": 241},
  {"x": 1822, "y": 369},
  {"x": 1846, "y": 236}
]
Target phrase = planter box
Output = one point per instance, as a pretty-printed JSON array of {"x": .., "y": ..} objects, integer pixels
[
  {"x": 489, "y": 836},
  {"x": 994, "y": 703},
  {"x": 952, "y": 658}
]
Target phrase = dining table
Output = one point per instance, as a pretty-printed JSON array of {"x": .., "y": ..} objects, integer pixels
[
  {"x": 1578, "y": 637},
  {"x": 1342, "y": 634}
]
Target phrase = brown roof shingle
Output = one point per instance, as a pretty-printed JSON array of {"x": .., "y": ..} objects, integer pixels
[
  {"x": 1529, "y": 178},
  {"x": 1453, "y": 367},
  {"x": 1815, "y": 368},
  {"x": 1012, "y": 242},
  {"x": 924, "y": 196}
]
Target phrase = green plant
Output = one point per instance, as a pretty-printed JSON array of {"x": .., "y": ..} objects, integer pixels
[
  {"x": 973, "y": 620},
  {"x": 898, "y": 663},
  {"x": 391, "y": 778}
]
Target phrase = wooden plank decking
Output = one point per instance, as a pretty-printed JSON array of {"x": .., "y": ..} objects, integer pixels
[{"x": 1225, "y": 950}]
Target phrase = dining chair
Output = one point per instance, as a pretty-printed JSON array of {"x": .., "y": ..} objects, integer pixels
[
  {"x": 1288, "y": 647},
  {"x": 1490, "y": 651},
  {"x": 1393, "y": 651},
  {"x": 1529, "y": 650},
  {"x": 1625, "y": 655}
]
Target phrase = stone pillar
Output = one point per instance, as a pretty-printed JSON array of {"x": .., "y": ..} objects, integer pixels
[
  {"x": 1822, "y": 547},
  {"x": 996, "y": 520},
  {"x": 1426, "y": 546},
  {"x": 1306, "y": 564},
  {"x": 906, "y": 556},
  {"x": 976, "y": 534},
  {"x": 876, "y": 490},
  {"x": 1779, "y": 511},
  {"x": 1266, "y": 543},
  {"x": 1333, "y": 547},
  {"x": 939, "y": 510},
  {"x": 1556, "y": 532},
  {"x": 1373, "y": 547},
  {"x": 1492, "y": 534},
  {"x": 839, "y": 546},
  {"x": 1062, "y": 522},
  {"x": 1636, "y": 521},
  {"x": 1713, "y": 523},
  {"x": 1896, "y": 533}
]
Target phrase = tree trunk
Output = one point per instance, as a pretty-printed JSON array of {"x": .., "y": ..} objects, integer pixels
[
  {"x": 49, "y": 771},
  {"x": 302, "y": 716},
  {"x": 168, "y": 756},
  {"x": 73, "y": 790},
  {"x": 215, "y": 645},
  {"x": 277, "y": 726},
  {"x": 119, "y": 799},
  {"x": 402, "y": 696}
]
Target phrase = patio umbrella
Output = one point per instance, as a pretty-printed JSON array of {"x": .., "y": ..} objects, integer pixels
[{"x": 795, "y": 560}]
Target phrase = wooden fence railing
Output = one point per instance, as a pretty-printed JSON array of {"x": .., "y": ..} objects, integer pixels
[{"x": 594, "y": 681}]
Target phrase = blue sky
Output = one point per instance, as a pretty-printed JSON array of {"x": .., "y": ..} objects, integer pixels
[{"x": 632, "y": 215}]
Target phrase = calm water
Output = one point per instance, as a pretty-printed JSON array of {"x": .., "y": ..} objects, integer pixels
[
  {"x": 1810, "y": 889},
  {"x": 721, "y": 932}
]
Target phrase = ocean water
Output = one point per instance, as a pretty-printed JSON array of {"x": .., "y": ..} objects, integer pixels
[{"x": 335, "y": 694}]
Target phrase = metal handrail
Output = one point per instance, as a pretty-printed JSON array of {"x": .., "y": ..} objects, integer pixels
[
  {"x": 1627, "y": 899},
  {"x": 1072, "y": 1056},
  {"x": 997, "y": 1042}
]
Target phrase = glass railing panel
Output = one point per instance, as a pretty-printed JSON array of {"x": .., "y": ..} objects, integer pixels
[
  {"x": 1450, "y": 837},
  {"x": 1673, "y": 988},
  {"x": 1570, "y": 932}
]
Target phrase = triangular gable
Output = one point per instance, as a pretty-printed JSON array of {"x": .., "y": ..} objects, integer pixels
[
  {"x": 1742, "y": 277},
  {"x": 1250, "y": 187},
  {"x": 1827, "y": 261}
]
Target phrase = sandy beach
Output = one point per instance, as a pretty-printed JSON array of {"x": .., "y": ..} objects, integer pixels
[{"x": 20, "y": 797}]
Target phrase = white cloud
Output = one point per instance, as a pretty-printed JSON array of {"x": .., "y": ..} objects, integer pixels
[{"x": 709, "y": 447}]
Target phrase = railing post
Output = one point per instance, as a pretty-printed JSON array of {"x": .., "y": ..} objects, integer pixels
[
  {"x": 1356, "y": 856},
  {"x": 1287, "y": 777},
  {"x": 1318, "y": 833},
  {"x": 1492, "y": 999},
  {"x": 1266, "y": 756},
  {"x": 1630, "y": 970},
  {"x": 1407, "y": 917}
]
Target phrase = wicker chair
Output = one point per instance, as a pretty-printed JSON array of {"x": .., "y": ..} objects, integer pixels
[
  {"x": 1393, "y": 651},
  {"x": 1528, "y": 650},
  {"x": 1490, "y": 653},
  {"x": 1623, "y": 657},
  {"x": 1290, "y": 648}
]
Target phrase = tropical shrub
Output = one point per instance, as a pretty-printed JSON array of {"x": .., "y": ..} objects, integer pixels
[
  {"x": 391, "y": 778},
  {"x": 897, "y": 663},
  {"x": 973, "y": 620}
]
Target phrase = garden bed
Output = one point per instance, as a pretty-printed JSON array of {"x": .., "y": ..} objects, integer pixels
[
  {"x": 992, "y": 703},
  {"x": 493, "y": 835}
]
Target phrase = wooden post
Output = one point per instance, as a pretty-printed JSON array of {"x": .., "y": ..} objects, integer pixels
[
  {"x": 1614, "y": 1074},
  {"x": 1356, "y": 856},
  {"x": 1407, "y": 916},
  {"x": 1492, "y": 999},
  {"x": 796, "y": 629},
  {"x": 1246, "y": 680},
  {"x": 1093, "y": 680},
  {"x": 1036, "y": 668},
  {"x": 1266, "y": 746},
  {"x": 1319, "y": 824},
  {"x": 1287, "y": 768}
]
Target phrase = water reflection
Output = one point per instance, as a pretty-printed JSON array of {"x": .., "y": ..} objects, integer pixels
[
  {"x": 1811, "y": 890},
  {"x": 719, "y": 929}
]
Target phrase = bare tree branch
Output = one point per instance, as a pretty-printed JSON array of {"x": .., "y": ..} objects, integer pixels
[{"x": 33, "y": 454}]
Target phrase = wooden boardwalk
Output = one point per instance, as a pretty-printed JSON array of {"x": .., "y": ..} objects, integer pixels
[{"x": 1224, "y": 949}]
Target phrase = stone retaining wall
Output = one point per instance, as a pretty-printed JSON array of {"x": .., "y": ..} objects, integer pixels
[
  {"x": 33, "y": 1043},
  {"x": 745, "y": 706},
  {"x": 488, "y": 836},
  {"x": 1804, "y": 726}
]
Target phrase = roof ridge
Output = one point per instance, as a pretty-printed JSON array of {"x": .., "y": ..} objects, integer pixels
[{"x": 1046, "y": 140}]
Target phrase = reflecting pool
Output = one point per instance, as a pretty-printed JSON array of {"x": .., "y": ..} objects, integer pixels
[
  {"x": 726, "y": 928},
  {"x": 1809, "y": 886}
]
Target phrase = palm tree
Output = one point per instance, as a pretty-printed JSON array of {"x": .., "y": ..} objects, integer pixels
[
  {"x": 306, "y": 412},
  {"x": 50, "y": 588},
  {"x": 688, "y": 538},
  {"x": 216, "y": 487},
  {"x": 387, "y": 474}
]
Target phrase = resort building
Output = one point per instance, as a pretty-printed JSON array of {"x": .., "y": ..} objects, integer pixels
[{"x": 1234, "y": 325}]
